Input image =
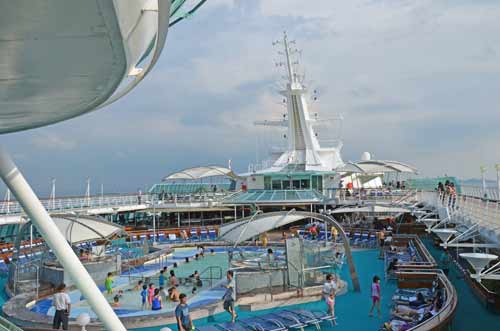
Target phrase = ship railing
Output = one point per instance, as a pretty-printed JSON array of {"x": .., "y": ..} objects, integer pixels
[
  {"x": 375, "y": 194},
  {"x": 80, "y": 203},
  {"x": 5, "y": 325},
  {"x": 467, "y": 209}
]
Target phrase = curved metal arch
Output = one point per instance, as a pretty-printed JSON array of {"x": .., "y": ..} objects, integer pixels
[{"x": 303, "y": 214}]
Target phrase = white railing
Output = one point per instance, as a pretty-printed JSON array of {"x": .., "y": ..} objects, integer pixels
[
  {"x": 68, "y": 204},
  {"x": 490, "y": 193},
  {"x": 465, "y": 208},
  {"x": 380, "y": 194}
]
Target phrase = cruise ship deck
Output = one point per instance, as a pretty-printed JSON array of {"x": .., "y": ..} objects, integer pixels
[{"x": 302, "y": 240}]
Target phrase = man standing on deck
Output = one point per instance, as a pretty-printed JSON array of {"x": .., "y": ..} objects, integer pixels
[
  {"x": 62, "y": 304},
  {"x": 184, "y": 321},
  {"x": 229, "y": 296}
]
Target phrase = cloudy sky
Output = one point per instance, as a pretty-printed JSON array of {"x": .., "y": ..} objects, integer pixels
[{"x": 416, "y": 81}]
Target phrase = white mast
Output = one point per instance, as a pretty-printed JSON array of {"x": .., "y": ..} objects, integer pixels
[
  {"x": 304, "y": 150},
  {"x": 53, "y": 195}
]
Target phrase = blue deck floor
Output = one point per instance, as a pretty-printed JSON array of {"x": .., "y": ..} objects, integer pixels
[{"x": 470, "y": 315}]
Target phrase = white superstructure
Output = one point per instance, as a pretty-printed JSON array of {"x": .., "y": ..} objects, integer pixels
[{"x": 303, "y": 149}]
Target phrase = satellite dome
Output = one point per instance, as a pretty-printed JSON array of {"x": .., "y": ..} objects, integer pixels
[{"x": 366, "y": 156}]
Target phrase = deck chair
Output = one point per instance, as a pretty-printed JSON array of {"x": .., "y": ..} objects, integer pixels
[
  {"x": 316, "y": 315},
  {"x": 212, "y": 327},
  {"x": 193, "y": 234},
  {"x": 212, "y": 234},
  {"x": 161, "y": 236},
  {"x": 259, "y": 324},
  {"x": 287, "y": 319},
  {"x": 203, "y": 234},
  {"x": 237, "y": 326}
]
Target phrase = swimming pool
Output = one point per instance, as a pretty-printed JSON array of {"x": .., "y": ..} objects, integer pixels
[{"x": 212, "y": 269}]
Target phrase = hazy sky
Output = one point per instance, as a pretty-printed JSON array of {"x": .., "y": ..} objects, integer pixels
[{"x": 416, "y": 81}]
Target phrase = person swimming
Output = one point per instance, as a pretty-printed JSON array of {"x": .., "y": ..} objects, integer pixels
[{"x": 156, "y": 303}]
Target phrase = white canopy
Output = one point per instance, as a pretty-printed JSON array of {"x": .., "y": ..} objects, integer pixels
[
  {"x": 376, "y": 166},
  {"x": 201, "y": 172},
  {"x": 246, "y": 229},
  {"x": 77, "y": 229},
  {"x": 60, "y": 59}
]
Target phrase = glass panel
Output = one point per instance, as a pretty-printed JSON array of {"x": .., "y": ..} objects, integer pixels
[
  {"x": 304, "y": 184},
  {"x": 296, "y": 184},
  {"x": 314, "y": 182},
  {"x": 286, "y": 184},
  {"x": 279, "y": 196},
  {"x": 267, "y": 183},
  {"x": 276, "y": 185}
]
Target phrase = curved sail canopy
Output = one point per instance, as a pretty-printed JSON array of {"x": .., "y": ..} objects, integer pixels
[
  {"x": 62, "y": 58},
  {"x": 201, "y": 172},
  {"x": 377, "y": 166},
  {"x": 77, "y": 229}
]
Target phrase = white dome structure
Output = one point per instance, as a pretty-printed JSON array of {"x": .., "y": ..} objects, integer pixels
[{"x": 366, "y": 156}]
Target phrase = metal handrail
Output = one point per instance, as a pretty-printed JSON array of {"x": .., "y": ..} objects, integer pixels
[
  {"x": 6, "y": 325},
  {"x": 211, "y": 277}
]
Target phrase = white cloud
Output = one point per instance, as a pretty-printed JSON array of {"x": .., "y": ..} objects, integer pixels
[{"x": 52, "y": 141}]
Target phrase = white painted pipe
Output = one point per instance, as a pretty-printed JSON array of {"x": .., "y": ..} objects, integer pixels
[{"x": 57, "y": 242}]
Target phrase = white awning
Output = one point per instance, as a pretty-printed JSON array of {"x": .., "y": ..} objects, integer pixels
[
  {"x": 60, "y": 59},
  {"x": 12, "y": 219},
  {"x": 376, "y": 166},
  {"x": 78, "y": 229},
  {"x": 201, "y": 172},
  {"x": 243, "y": 230}
]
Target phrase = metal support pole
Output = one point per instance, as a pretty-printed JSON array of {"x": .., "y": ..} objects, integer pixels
[
  {"x": 497, "y": 168},
  {"x": 31, "y": 237},
  {"x": 482, "y": 169},
  {"x": 57, "y": 242},
  {"x": 154, "y": 219}
]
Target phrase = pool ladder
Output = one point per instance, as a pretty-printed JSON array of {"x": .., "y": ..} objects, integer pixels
[{"x": 214, "y": 273}]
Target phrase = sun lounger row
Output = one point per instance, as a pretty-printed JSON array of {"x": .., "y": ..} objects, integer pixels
[
  {"x": 202, "y": 234},
  {"x": 412, "y": 307},
  {"x": 277, "y": 321}
]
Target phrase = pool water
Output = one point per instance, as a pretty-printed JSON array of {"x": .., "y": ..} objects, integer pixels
[{"x": 131, "y": 300}]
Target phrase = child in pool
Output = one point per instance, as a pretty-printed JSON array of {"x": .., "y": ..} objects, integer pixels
[
  {"x": 108, "y": 283},
  {"x": 116, "y": 302},
  {"x": 151, "y": 293},
  {"x": 144, "y": 296}
]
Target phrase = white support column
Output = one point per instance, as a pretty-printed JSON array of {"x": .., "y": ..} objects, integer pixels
[
  {"x": 57, "y": 242},
  {"x": 497, "y": 168}
]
